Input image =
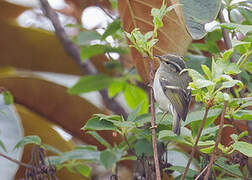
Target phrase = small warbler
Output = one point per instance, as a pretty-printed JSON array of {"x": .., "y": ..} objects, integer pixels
[{"x": 171, "y": 88}]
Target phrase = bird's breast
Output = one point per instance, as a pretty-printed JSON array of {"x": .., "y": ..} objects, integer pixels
[{"x": 159, "y": 95}]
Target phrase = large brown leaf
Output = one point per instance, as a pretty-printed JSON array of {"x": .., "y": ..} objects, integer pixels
[
  {"x": 173, "y": 36},
  {"x": 8, "y": 10},
  {"x": 38, "y": 50},
  {"x": 53, "y": 102}
]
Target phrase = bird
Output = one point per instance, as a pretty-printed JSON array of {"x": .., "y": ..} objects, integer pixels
[{"x": 171, "y": 90}]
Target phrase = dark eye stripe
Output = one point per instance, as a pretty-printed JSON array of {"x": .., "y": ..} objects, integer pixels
[{"x": 175, "y": 65}]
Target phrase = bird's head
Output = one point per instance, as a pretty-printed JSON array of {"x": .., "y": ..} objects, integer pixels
[{"x": 172, "y": 61}]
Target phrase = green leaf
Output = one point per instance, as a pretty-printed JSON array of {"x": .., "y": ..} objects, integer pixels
[
  {"x": 132, "y": 158},
  {"x": 132, "y": 116},
  {"x": 201, "y": 83},
  {"x": 198, "y": 115},
  {"x": 248, "y": 67},
  {"x": 88, "y": 147},
  {"x": 83, "y": 169},
  {"x": 76, "y": 154},
  {"x": 2, "y": 146},
  {"x": 134, "y": 96},
  {"x": 108, "y": 158},
  {"x": 168, "y": 135},
  {"x": 28, "y": 140},
  {"x": 143, "y": 147},
  {"x": 88, "y": 51},
  {"x": 115, "y": 87},
  {"x": 92, "y": 50},
  {"x": 96, "y": 124},
  {"x": 85, "y": 37},
  {"x": 198, "y": 13},
  {"x": 244, "y": 29},
  {"x": 206, "y": 71},
  {"x": 243, "y": 115},
  {"x": 232, "y": 168},
  {"x": 241, "y": 46},
  {"x": 191, "y": 173},
  {"x": 112, "y": 28},
  {"x": 231, "y": 83},
  {"x": 227, "y": 54},
  {"x": 99, "y": 138},
  {"x": 52, "y": 149},
  {"x": 91, "y": 83},
  {"x": 195, "y": 62},
  {"x": 243, "y": 147},
  {"x": 8, "y": 98},
  {"x": 195, "y": 75}
]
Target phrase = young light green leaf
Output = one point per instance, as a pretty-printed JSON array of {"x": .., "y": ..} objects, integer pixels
[
  {"x": 195, "y": 75},
  {"x": 152, "y": 42},
  {"x": 148, "y": 35},
  {"x": 201, "y": 83},
  {"x": 8, "y": 98},
  {"x": 85, "y": 37},
  {"x": 132, "y": 116},
  {"x": 112, "y": 28},
  {"x": 90, "y": 83},
  {"x": 115, "y": 87},
  {"x": 207, "y": 71},
  {"x": 227, "y": 54},
  {"x": 243, "y": 147},
  {"x": 99, "y": 138},
  {"x": 232, "y": 83},
  {"x": 28, "y": 140}
]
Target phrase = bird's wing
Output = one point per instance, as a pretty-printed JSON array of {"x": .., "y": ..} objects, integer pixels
[{"x": 179, "y": 97}]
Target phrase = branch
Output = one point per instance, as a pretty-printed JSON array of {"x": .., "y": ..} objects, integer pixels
[
  {"x": 153, "y": 127},
  {"x": 73, "y": 51},
  {"x": 202, "y": 172},
  {"x": 196, "y": 142},
  {"x": 16, "y": 161},
  {"x": 217, "y": 141}
]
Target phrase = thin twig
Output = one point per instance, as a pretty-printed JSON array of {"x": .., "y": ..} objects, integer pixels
[
  {"x": 73, "y": 51},
  {"x": 16, "y": 161},
  {"x": 153, "y": 128},
  {"x": 196, "y": 142},
  {"x": 202, "y": 172},
  {"x": 217, "y": 141}
]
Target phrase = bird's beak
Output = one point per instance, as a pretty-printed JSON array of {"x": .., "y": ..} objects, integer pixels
[{"x": 159, "y": 57}]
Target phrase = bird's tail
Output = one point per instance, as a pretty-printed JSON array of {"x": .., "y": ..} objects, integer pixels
[{"x": 176, "y": 124}]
